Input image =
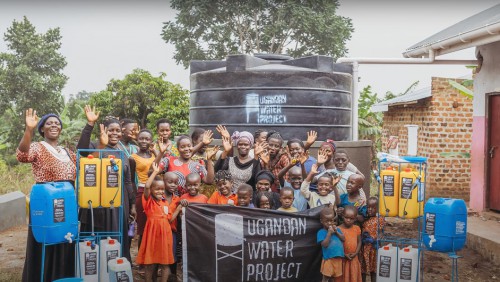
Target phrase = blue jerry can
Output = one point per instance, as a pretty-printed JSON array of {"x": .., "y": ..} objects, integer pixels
[{"x": 445, "y": 224}]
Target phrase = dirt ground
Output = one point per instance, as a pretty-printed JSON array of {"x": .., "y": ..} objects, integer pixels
[{"x": 437, "y": 266}]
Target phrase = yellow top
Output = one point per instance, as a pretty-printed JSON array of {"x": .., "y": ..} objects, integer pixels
[{"x": 142, "y": 166}]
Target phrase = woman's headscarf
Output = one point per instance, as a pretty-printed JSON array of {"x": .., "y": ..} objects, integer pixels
[
  {"x": 330, "y": 143},
  {"x": 265, "y": 174},
  {"x": 42, "y": 121},
  {"x": 237, "y": 136}
]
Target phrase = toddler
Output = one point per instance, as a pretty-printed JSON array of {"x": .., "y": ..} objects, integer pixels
[
  {"x": 331, "y": 237},
  {"x": 244, "y": 195},
  {"x": 369, "y": 238},
  {"x": 286, "y": 199},
  {"x": 352, "y": 245}
]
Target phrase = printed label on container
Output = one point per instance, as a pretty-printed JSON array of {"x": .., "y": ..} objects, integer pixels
[
  {"x": 388, "y": 185},
  {"x": 385, "y": 266},
  {"x": 406, "y": 185},
  {"x": 405, "y": 269},
  {"x": 59, "y": 214},
  {"x": 90, "y": 175},
  {"x": 460, "y": 227},
  {"x": 109, "y": 256},
  {"x": 112, "y": 177},
  {"x": 91, "y": 263},
  {"x": 430, "y": 223},
  {"x": 122, "y": 276}
]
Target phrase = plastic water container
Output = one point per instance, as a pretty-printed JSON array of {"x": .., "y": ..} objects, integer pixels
[
  {"x": 120, "y": 270},
  {"x": 89, "y": 261},
  {"x": 387, "y": 257},
  {"x": 410, "y": 196},
  {"x": 111, "y": 178},
  {"x": 445, "y": 224},
  {"x": 408, "y": 264},
  {"x": 110, "y": 249},
  {"x": 53, "y": 212},
  {"x": 389, "y": 192},
  {"x": 89, "y": 182}
]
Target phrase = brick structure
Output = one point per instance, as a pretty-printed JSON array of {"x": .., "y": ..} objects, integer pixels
[{"x": 444, "y": 137}]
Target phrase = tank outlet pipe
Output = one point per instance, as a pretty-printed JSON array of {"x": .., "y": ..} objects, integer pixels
[{"x": 356, "y": 61}]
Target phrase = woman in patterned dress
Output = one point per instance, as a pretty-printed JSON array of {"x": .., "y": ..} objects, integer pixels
[{"x": 50, "y": 162}]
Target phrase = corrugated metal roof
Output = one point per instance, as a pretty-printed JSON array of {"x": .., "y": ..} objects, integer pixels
[
  {"x": 478, "y": 21},
  {"x": 407, "y": 98}
]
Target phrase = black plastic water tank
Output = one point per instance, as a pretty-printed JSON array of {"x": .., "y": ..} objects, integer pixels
[{"x": 275, "y": 92}]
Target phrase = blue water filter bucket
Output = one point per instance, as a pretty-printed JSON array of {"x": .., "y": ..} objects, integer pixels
[
  {"x": 53, "y": 212},
  {"x": 445, "y": 224}
]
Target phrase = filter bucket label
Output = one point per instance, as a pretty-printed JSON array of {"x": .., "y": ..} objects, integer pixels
[
  {"x": 406, "y": 185},
  {"x": 122, "y": 276},
  {"x": 384, "y": 267},
  {"x": 109, "y": 256},
  {"x": 90, "y": 173},
  {"x": 405, "y": 269},
  {"x": 388, "y": 185},
  {"x": 91, "y": 263},
  {"x": 112, "y": 177},
  {"x": 460, "y": 227},
  {"x": 59, "y": 213},
  {"x": 430, "y": 223}
]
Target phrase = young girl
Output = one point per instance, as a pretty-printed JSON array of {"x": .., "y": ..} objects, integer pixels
[
  {"x": 223, "y": 196},
  {"x": 326, "y": 183},
  {"x": 353, "y": 196},
  {"x": 171, "y": 181},
  {"x": 156, "y": 247},
  {"x": 330, "y": 237},
  {"x": 352, "y": 245},
  {"x": 369, "y": 248},
  {"x": 265, "y": 179},
  {"x": 263, "y": 200}
]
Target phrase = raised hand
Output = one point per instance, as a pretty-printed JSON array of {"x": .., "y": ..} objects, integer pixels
[
  {"x": 260, "y": 148},
  {"x": 227, "y": 144},
  {"x": 211, "y": 152},
  {"x": 223, "y": 131},
  {"x": 314, "y": 169},
  {"x": 293, "y": 159},
  {"x": 31, "y": 119},
  {"x": 304, "y": 157},
  {"x": 335, "y": 180},
  {"x": 163, "y": 147},
  {"x": 311, "y": 137},
  {"x": 265, "y": 157},
  {"x": 103, "y": 135},
  {"x": 322, "y": 157},
  {"x": 91, "y": 114},
  {"x": 207, "y": 137},
  {"x": 156, "y": 167}
]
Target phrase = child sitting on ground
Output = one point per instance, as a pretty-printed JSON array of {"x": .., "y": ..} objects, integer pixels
[
  {"x": 223, "y": 195},
  {"x": 330, "y": 237},
  {"x": 325, "y": 184},
  {"x": 193, "y": 183},
  {"x": 157, "y": 243},
  {"x": 286, "y": 199},
  {"x": 369, "y": 238},
  {"x": 264, "y": 200},
  {"x": 353, "y": 196},
  {"x": 352, "y": 245},
  {"x": 244, "y": 194}
]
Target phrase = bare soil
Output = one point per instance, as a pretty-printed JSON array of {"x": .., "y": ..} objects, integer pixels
[{"x": 437, "y": 266}]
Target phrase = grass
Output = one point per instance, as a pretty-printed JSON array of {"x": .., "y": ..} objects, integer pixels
[{"x": 16, "y": 178}]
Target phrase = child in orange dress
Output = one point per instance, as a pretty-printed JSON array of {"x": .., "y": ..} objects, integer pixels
[
  {"x": 156, "y": 248},
  {"x": 352, "y": 245},
  {"x": 223, "y": 195},
  {"x": 171, "y": 181},
  {"x": 369, "y": 249}
]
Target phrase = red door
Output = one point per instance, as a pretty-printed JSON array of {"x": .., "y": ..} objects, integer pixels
[{"x": 493, "y": 153}]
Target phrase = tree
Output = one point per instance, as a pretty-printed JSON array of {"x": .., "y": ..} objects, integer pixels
[
  {"x": 30, "y": 74},
  {"x": 207, "y": 30},
  {"x": 139, "y": 95},
  {"x": 369, "y": 123}
]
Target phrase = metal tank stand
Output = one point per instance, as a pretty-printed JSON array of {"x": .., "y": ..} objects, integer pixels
[{"x": 454, "y": 266}]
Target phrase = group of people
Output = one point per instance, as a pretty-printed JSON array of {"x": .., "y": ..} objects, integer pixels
[{"x": 250, "y": 170}]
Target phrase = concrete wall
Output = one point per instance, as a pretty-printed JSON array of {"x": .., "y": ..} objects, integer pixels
[
  {"x": 486, "y": 81},
  {"x": 12, "y": 210}
]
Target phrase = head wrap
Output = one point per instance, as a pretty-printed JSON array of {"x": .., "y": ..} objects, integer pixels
[
  {"x": 237, "y": 136},
  {"x": 330, "y": 143},
  {"x": 265, "y": 174},
  {"x": 42, "y": 121}
]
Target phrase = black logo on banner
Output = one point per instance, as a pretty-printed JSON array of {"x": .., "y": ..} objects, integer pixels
[
  {"x": 388, "y": 185},
  {"x": 90, "y": 175},
  {"x": 59, "y": 214},
  {"x": 90, "y": 263},
  {"x": 112, "y": 179},
  {"x": 430, "y": 223},
  {"x": 406, "y": 185},
  {"x": 405, "y": 269},
  {"x": 385, "y": 266},
  {"x": 226, "y": 243}
]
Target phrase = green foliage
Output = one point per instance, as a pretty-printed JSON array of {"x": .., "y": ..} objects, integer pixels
[
  {"x": 145, "y": 98},
  {"x": 72, "y": 126},
  {"x": 389, "y": 94},
  {"x": 30, "y": 74},
  {"x": 369, "y": 123},
  {"x": 462, "y": 88},
  {"x": 207, "y": 30},
  {"x": 16, "y": 178}
]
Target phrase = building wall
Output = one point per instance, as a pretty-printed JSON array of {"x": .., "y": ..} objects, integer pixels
[
  {"x": 486, "y": 81},
  {"x": 444, "y": 136}
]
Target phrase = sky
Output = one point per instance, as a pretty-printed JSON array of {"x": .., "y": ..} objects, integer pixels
[{"x": 107, "y": 39}]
